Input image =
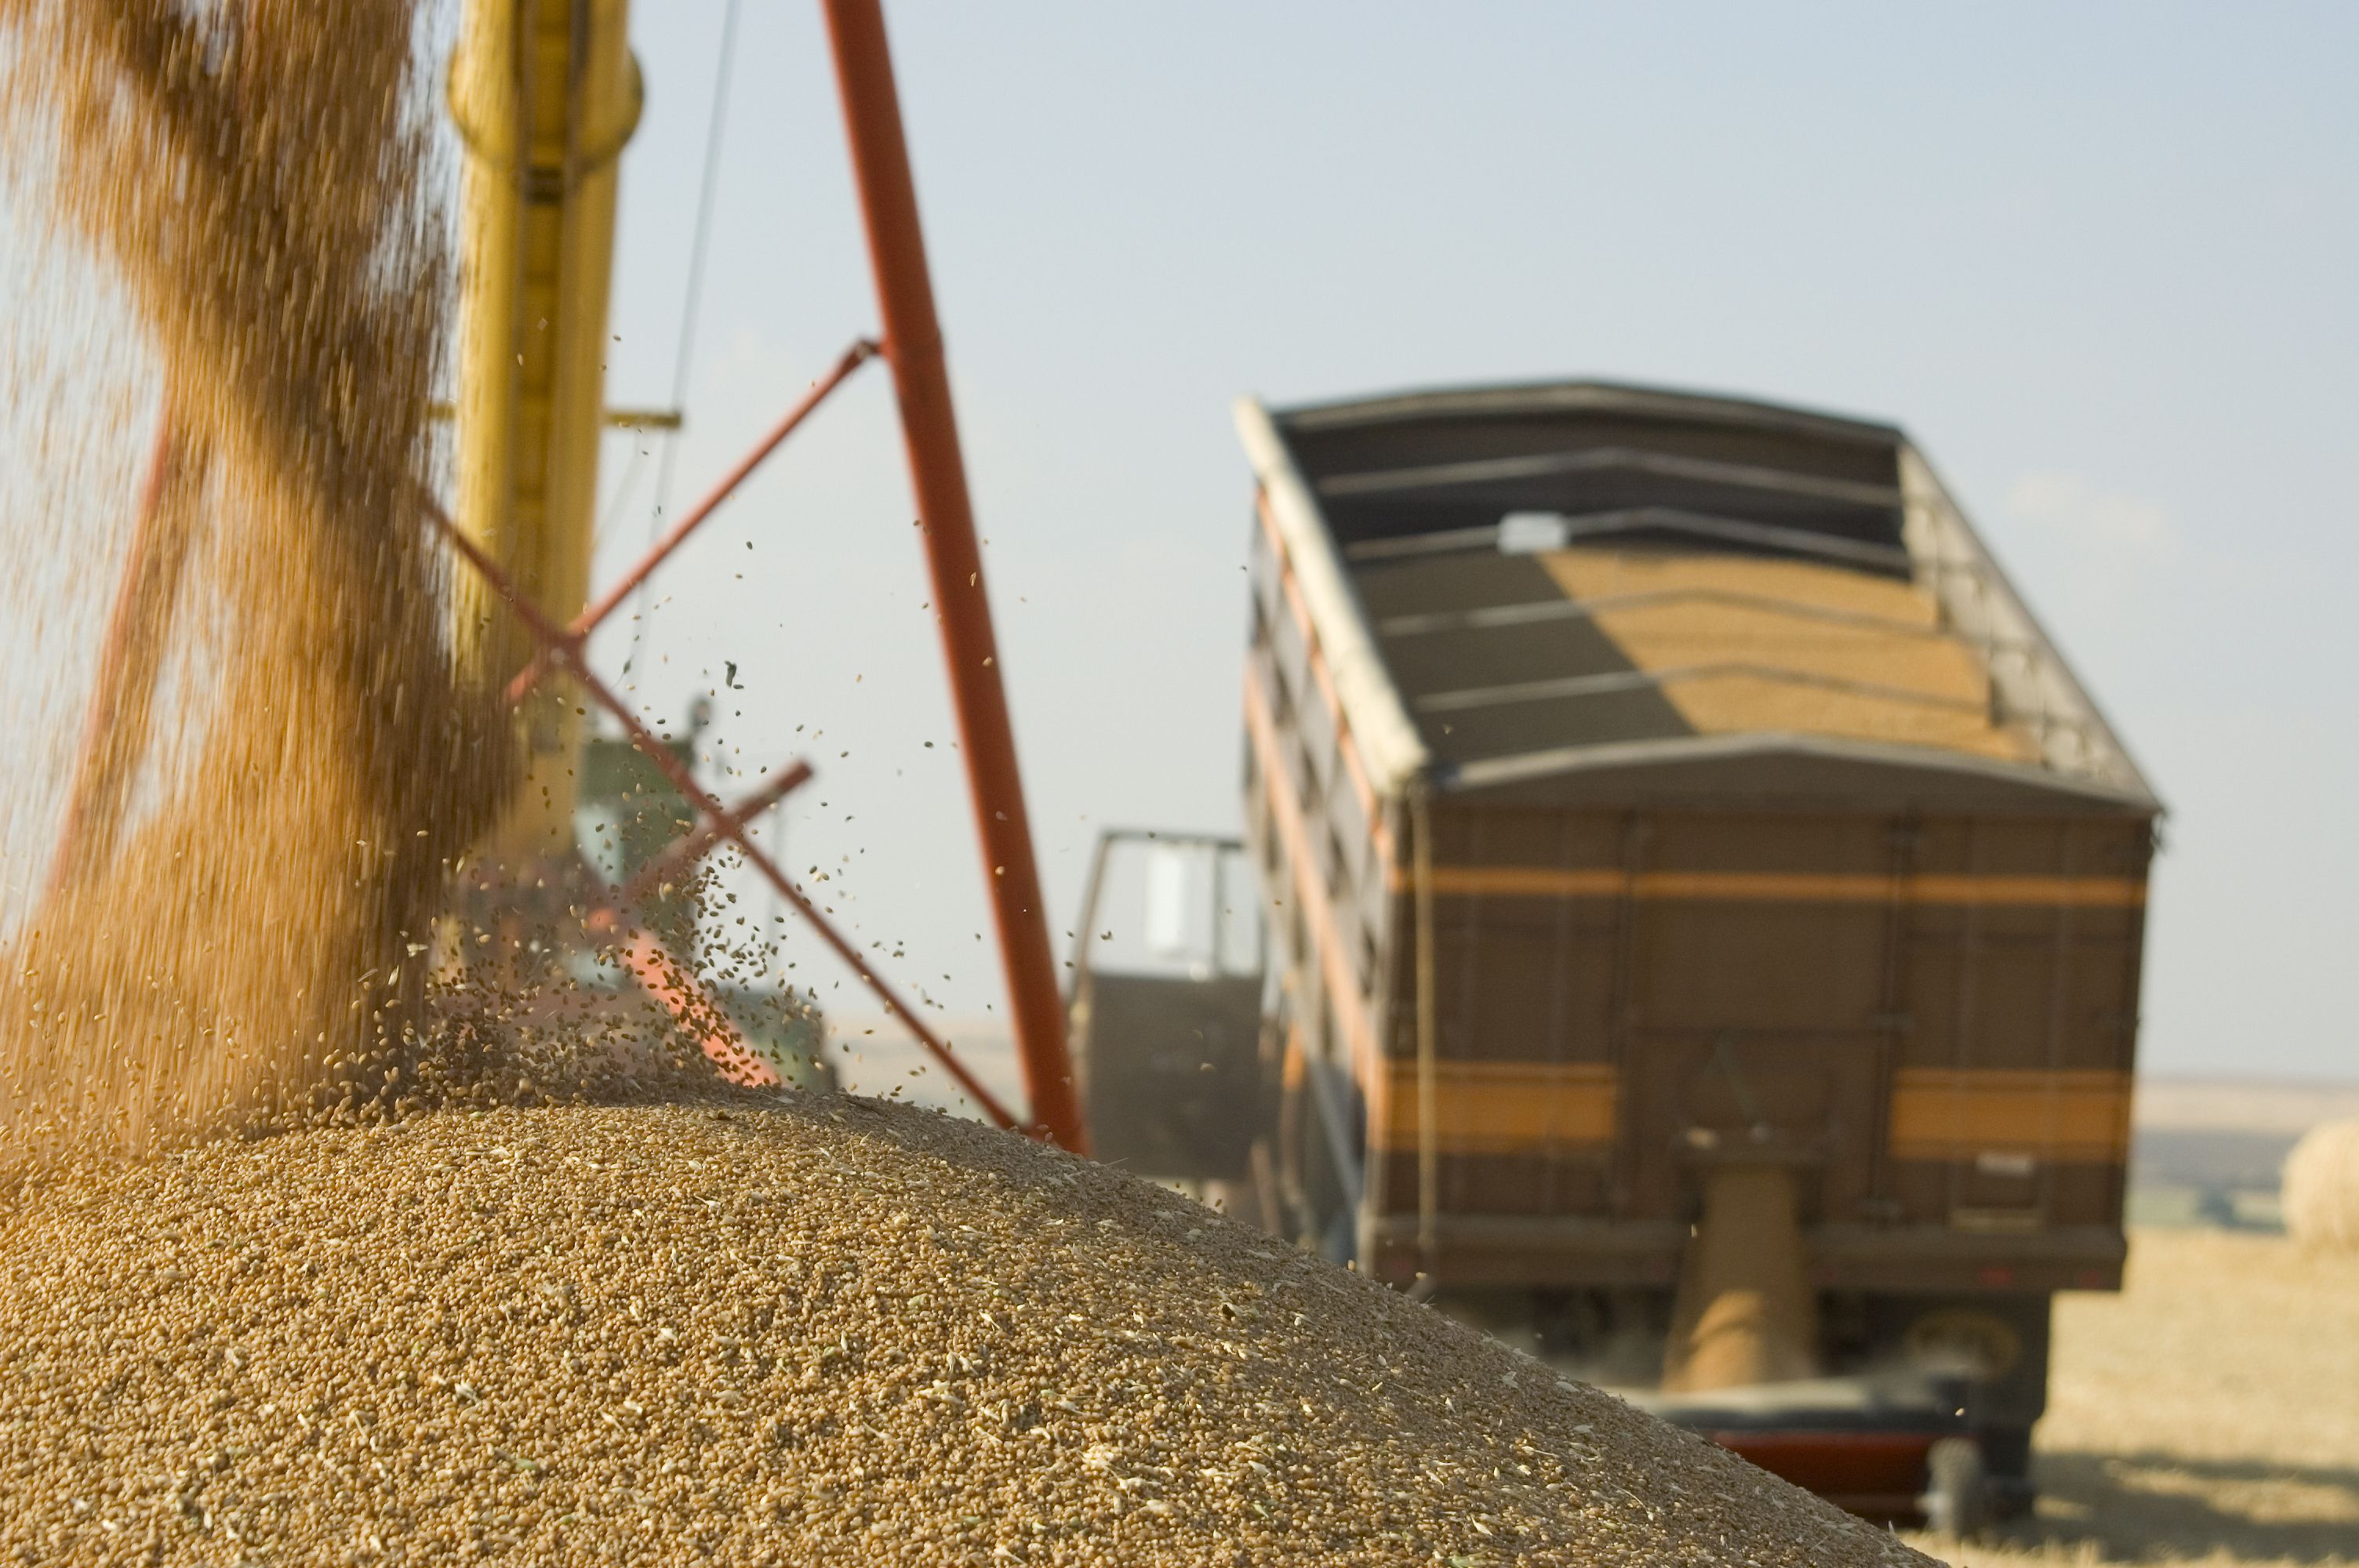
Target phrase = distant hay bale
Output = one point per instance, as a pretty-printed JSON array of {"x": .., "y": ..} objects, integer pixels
[{"x": 2321, "y": 1189}]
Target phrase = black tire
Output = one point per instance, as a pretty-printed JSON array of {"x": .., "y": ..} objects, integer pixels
[
  {"x": 1955, "y": 1500},
  {"x": 2008, "y": 1492}
]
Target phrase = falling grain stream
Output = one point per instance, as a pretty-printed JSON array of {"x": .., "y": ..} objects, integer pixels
[{"x": 255, "y": 176}]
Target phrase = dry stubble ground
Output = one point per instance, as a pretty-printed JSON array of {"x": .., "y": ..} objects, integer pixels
[{"x": 2208, "y": 1414}]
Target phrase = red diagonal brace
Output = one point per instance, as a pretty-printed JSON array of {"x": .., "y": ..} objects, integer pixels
[
  {"x": 853, "y": 358},
  {"x": 568, "y": 656},
  {"x": 690, "y": 847}
]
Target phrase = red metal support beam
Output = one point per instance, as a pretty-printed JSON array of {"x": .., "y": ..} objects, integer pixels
[
  {"x": 568, "y": 656},
  {"x": 114, "y": 723},
  {"x": 913, "y": 346}
]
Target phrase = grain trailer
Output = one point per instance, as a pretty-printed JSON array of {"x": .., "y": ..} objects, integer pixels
[{"x": 1705, "y": 916}]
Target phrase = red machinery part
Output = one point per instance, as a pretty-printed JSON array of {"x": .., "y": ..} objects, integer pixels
[
  {"x": 672, "y": 984},
  {"x": 913, "y": 347},
  {"x": 668, "y": 981},
  {"x": 1879, "y": 1475}
]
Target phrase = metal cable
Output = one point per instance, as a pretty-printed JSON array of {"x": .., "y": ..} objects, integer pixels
[
  {"x": 615, "y": 508},
  {"x": 685, "y": 352}
]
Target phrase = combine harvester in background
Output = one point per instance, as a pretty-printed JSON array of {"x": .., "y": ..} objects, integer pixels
[{"x": 1706, "y": 921}]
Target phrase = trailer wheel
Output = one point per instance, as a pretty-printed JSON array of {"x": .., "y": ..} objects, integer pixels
[{"x": 1955, "y": 1499}]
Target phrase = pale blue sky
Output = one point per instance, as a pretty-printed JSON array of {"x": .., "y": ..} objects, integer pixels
[{"x": 2097, "y": 258}]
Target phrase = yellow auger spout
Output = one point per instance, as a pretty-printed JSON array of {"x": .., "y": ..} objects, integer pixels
[{"x": 545, "y": 94}]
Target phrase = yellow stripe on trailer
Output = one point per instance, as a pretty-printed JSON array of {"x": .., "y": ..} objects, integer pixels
[
  {"x": 1536, "y": 1108},
  {"x": 1940, "y": 1114},
  {"x": 1501, "y": 1108},
  {"x": 1983, "y": 891}
]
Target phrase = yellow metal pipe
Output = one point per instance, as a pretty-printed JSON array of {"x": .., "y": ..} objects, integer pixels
[{"x": 545, "y": 94}]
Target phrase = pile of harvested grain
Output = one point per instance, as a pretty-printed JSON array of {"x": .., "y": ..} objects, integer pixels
[
  {"x": 779, "y": 1330},
  {"x": 2320, "y": 1189}
]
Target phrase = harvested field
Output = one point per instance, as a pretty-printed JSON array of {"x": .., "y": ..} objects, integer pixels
[
  {"x": 2208, "y": 1414},
  {"x": 779, "y": 1330}
]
